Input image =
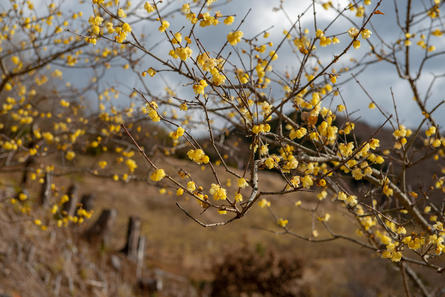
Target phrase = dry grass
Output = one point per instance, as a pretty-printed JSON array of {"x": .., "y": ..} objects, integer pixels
[{"x": 178, "y": 245}]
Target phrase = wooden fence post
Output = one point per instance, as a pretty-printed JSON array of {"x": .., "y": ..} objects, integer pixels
[
  {"x": 69, "y": 207},
  {"x": 140, "y": 256},
  {"x": 133, "y": 233},
  {"x": 29, "y": 161},
  {"x": 45, "y": 191},
  {"x": 100, "y": 230},
  {"x": 87, "y": 201}
]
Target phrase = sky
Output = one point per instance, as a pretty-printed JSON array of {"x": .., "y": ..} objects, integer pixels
[{"x": 380, "y": 80}]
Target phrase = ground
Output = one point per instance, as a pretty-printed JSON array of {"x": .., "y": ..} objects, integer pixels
[{"x": 177, "y": 246}]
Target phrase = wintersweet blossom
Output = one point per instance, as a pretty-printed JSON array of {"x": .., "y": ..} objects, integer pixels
[
  {"x": 218, "y": 192},
  {"x": 264, "y": 203},
  {"x": 164, "y": 26},
  {"x": 282, "y": 222},
  {"x": 199, "y": 88},
  {"x": 148, "y": 7},
  {"x": 242, "y": 183},
  {"x": 234, "y": 37},
  {"x": 198, "y": 156}
]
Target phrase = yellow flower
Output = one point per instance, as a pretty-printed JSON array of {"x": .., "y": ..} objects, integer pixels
[
  {"x": 229, "y": 20},
  {"x": 282, "y": 222},
  {"x": 356, "y": 43},
  {"x": 157, "y": 175},
  {"x": 198, "y": 156},
  {"x": 126, "y": 28},
  {"x": 131, "y": 164},
  {"x": 183, "y": 52},
  {"x": 121, "y": 13},
  {"x": 177, "y": 38},
  {"x": 199, "y": 88},
  {"x": 387, "y": 190},
  {"x": 48, "y": 137},
  {"x": 379, "y": 160},
  {"x": 366, "y": 34},
  {"x": 300, "y": 133},
  {"x": 191, "y": 186},
  {"x": 340, "y": 108},
  {"x": 164, "y": 26},
  {"x": 15, "y": 60},
  {"x": 242, "y": 183},
  {"x": 270, "y": 163},
  {"x": 260, "y": 128},
  {"x": 431, "y": 130},
  {"x": 353, "y": 32},
  {"x": 234, "y": 37},
  {"x": 273, "y": 55},
  {"x": 185, "y": 8},
  {"x": 64, "y": 199},
  {"x": 151, "y": 72},
  {"x": 178, "y": 133},
  {"x": 324, "y": 218},
  {"x": 148, "y": 7},
  {"x": 57, "y": 73},
  {"x": 64, "y": 103},
  {"x": 307, "y": 181},
  {"x": 218, "y": 192},
  {"x": 322, "y": 195},
  {"x": 23, "y": 196},
  {"x": 263, "y": 203},
  {"x": 151, "y": 110},
  {"x": 70, "y": 155}
]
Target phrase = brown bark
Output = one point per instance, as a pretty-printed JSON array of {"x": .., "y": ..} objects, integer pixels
[
  {"x": 45, "y": 191},
  {"x": 69, "y": 207},
  {"x": 99, "y": 232},
  {"x": 133, "y": 233}
]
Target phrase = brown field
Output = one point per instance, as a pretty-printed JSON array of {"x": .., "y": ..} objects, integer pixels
[{"x": 177, "y": 246}]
